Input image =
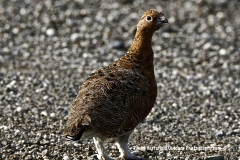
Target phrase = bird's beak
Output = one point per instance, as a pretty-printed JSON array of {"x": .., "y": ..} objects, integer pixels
[{"x": 163, "y": 19}]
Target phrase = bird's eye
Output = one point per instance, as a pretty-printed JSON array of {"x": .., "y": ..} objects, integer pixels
[{"x": 148, "y": 18}]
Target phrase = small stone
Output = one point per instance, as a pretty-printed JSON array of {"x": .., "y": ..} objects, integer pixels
[
  {"x": 11, "y": 84},
  {"x": 4, "y": 127},
  {"x": 45, "y": 158},
  {"x": 215, "y": 158},
  {"x": 45, "y": 153},
  {"x": 15, "y": 30},
  {"x": 117, "y": 44},
  {"x": 222, "y": 52},
  {"x": 44, "y": 113},
  {"x": 53, "y": 115},
  {"x": 213, "y": 145},
  {"x": 90, "y": 153},
  {"x": 6, "y": 50},
  {"x": 189, "y": 157},
  {"x": 19, "y": 109},
  {"x": 23, "y": 11},
  {"x": 169, "y": 155},
  {"x": 35, "y": 110},
  {"x": 28, "y": 157},
  {"x": 220, "y": 112},
  {"x": 26, "y": 54},
  {"x": 75, "y": 37},
  {"x": 174, "y": 104},
  {"x": 45, "y": 97},
  {"x": 93, "y": 156},
  {"x": 40, "y": 90},
  {"x": 66, "y": 158},
  {"x": 50, "y": 32},
  {"x": 236, "y": 131},
  {"x": 207, "y": 46},
  {"x": 4, "y": 143},
  {"x": 220, "y": 15},
  {"x": 59, "y": 158},
  {"x": 220, "y": 133}
]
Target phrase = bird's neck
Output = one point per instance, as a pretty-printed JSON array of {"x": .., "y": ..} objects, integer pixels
[{"x": 141, "y": 48}]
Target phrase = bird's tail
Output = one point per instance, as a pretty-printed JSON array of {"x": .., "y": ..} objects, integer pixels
[{"x": 74, "y": 133}]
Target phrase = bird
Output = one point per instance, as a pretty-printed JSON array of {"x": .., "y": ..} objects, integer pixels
[{"x": 113, "y": 100}]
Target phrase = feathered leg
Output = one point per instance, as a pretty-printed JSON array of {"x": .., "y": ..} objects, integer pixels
[
  {"x": 102, "y": 153},
  {"x": 122, "y": 143}
]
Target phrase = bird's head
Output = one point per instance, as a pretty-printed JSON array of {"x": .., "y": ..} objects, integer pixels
[{"x": 151, "y": 21}]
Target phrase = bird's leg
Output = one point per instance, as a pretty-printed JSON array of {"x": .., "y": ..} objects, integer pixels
[
  {"x": 102, "y": 153},
  {"x": 122, "y": 143}
]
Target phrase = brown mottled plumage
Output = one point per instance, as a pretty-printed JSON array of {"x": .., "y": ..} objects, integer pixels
[{"x": 113, "y": 100}]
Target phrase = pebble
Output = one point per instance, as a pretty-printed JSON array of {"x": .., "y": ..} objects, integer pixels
[
  {"x": 220, "y": 133},
  {"x": 215, "y": 158},
  {"x": 66, "y": 158},
  {"x": 220, "y": 15},
  {"x": 45, "y": 153},
  {"x": 236, "y": 131},
  {"x": 117, "y": 44},
  {"x": 75, "y": 37},
  {"x": 15, "y": 30},
  {"x": 35, "y": 110},
  {"x": 4, "y": 143},
  {"x": 50, "y": 31},
  {"x": 19, "y": 109},
  {"x": 220, "y": 112},
  {"x": 45, "y": 158},
  {"x": 53, "y": 115},
  {"x": 44, "y": 113},
  {"x": 222, "y": 52},
  {"x": 45, "y": 97},
  {"x": 207, "y": 45},
  {"x": 59, "y": 158},
  {"x": 11, "y": 84}
]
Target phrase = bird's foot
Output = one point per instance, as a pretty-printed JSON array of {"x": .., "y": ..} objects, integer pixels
[{"x": 134, "y": 155}]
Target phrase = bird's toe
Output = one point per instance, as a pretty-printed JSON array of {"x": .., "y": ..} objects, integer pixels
[{"x": 135, "y": 153}]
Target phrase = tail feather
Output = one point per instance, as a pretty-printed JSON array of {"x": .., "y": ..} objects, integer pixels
[{"x": 72, "y": 134}]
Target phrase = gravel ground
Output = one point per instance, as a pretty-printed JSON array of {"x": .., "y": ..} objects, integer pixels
[{"x": 48, "y": 48}]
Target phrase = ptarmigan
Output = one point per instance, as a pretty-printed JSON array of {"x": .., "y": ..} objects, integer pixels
[{"x": 113, "y": 100}]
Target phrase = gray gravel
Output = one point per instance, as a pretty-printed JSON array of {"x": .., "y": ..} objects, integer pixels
[{"x": 48, "y": 48}]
